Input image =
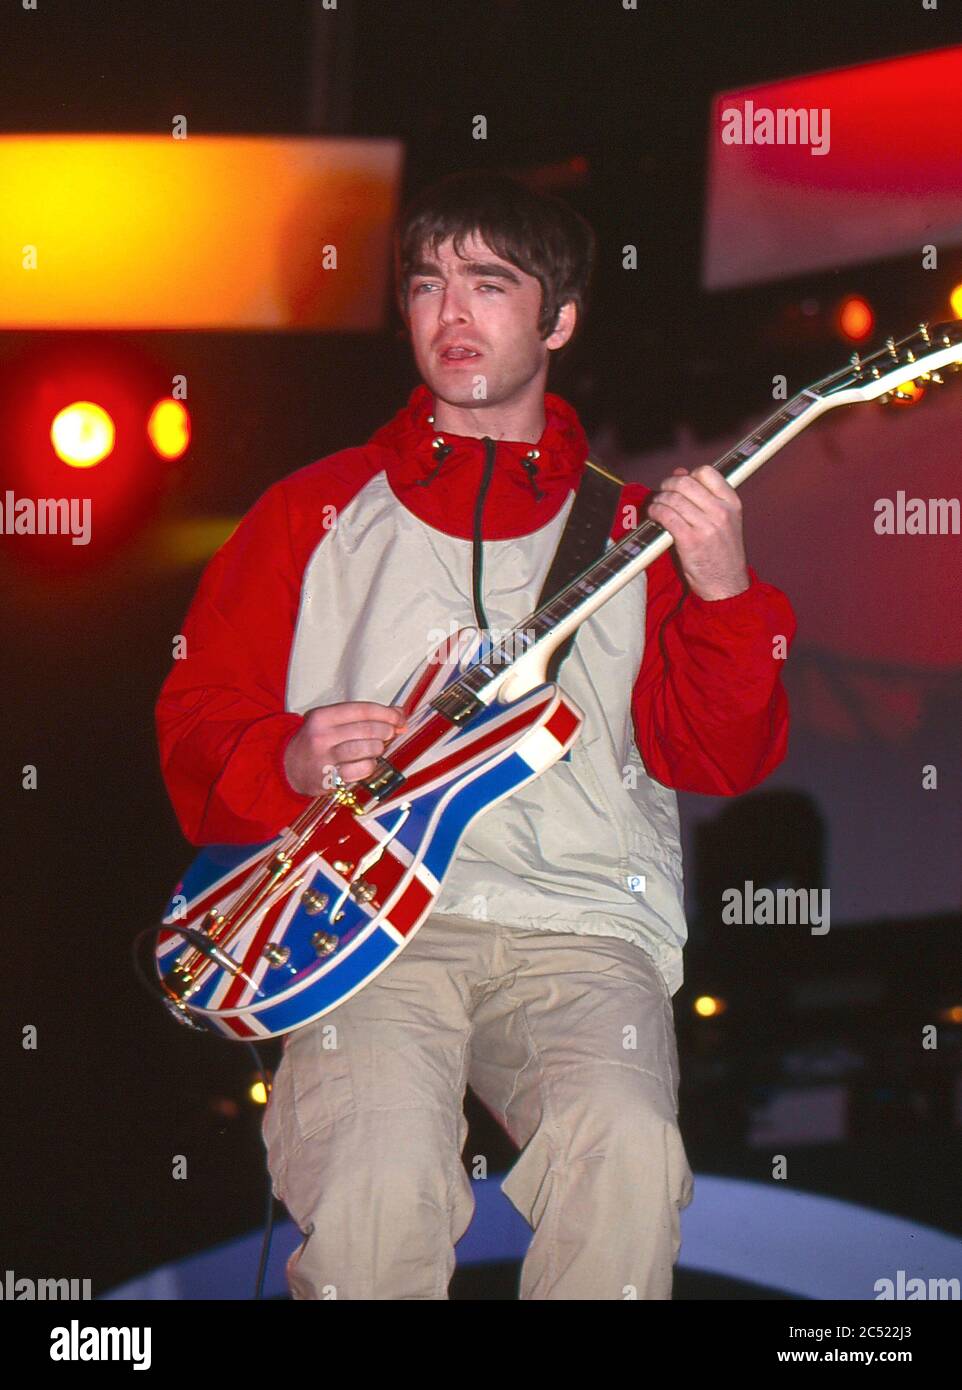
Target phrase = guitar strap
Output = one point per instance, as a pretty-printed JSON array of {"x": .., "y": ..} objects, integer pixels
[{"x": 582, "y": 541}]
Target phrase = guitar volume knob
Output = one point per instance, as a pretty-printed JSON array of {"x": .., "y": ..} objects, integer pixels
[
  {"x": 314, "y": 902},
  {"x": 362, "y": 890}
]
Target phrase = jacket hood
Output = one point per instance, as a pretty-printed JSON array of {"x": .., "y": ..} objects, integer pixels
[{"x": 438, "y": 475}]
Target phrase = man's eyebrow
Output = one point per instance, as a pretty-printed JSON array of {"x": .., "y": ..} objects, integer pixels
[{"x": 490, "y": 269}]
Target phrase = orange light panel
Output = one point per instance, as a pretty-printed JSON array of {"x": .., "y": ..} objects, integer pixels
[{"x": 144, "y": 231}]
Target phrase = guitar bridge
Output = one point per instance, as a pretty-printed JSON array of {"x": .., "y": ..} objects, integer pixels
[{"x": 180, "y": 984}]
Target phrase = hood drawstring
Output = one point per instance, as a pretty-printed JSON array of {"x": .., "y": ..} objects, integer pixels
[
  {"x": 531, "y": 468},
  {"x": 442, "y": 450}
]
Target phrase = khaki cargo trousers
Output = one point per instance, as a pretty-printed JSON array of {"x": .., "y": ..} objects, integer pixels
[{"x": 567, "y": 1039}]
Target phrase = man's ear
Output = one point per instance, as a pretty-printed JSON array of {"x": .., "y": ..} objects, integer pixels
[{"x": 564, "y": 325}]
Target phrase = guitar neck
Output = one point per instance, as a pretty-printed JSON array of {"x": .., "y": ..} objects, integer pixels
[
  {"x": 538, "y": 635},
  {"x": 519, "y": 661}
]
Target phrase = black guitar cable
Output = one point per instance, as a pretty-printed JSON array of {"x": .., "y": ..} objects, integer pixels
[{"x": 156, "y": 992}]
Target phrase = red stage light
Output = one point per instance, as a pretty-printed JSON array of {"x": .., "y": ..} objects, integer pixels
[
  {"x": 855, "y": 318},
  {"x": 70, "y": 405}
]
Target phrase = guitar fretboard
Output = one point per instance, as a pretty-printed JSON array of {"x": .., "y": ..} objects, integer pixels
[{"x": 620, "y": 563}]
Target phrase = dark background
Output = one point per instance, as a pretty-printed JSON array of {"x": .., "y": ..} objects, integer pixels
[{"x": 94, "y": 1116}]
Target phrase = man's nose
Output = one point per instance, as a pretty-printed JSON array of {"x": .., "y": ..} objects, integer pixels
[{"x": 454, "y": 305}]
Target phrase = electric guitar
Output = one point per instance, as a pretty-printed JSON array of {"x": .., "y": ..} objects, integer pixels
[{"x": 261, "y": 939}]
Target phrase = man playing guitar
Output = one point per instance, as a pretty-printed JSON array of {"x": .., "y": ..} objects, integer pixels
[{"x": 544, "y": 976}]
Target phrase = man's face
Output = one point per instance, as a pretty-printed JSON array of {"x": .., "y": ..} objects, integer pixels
[{"x": 474, "y": 326}]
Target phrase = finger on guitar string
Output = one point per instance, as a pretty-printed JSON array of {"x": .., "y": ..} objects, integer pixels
[{"x": 346, "y": 738}]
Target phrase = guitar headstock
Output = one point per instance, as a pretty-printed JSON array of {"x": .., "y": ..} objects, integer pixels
[{"x": 919, "y": 358}]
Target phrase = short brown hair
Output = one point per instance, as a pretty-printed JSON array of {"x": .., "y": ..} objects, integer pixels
[{"x": 538, "y": 233}]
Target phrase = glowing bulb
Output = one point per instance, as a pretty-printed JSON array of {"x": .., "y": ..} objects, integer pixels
[
  {"x": 707, "y": 1006},
  {"x": 258, "y": 1093},
  {"x": 855, "y": 318},
  {"x": 169, "y": 428},
  {"x": 908, "y": 393},
  {"x": 955, "y": 300},
  {"x": 82, "y": 434}
]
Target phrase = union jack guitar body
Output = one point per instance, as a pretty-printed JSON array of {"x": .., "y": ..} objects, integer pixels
[
  {"x": 303, "y": 922},
  {"x": 259, "y": 940}
]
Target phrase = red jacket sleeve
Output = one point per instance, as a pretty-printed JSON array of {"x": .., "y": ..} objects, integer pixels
[
  {"x": 709, "y": 710},
  {"x": 221, "y": 720}
]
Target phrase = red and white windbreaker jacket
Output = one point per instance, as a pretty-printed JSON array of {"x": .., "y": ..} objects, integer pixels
[{"x": 346, "y": 574}]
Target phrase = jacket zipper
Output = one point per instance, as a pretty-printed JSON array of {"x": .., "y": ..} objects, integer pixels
[{"x": 477, "y": 550}]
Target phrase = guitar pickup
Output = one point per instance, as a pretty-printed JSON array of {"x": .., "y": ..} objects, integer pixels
[
  {"x": 457, "y": 705},
  {"x": 385, "y": 779}
]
